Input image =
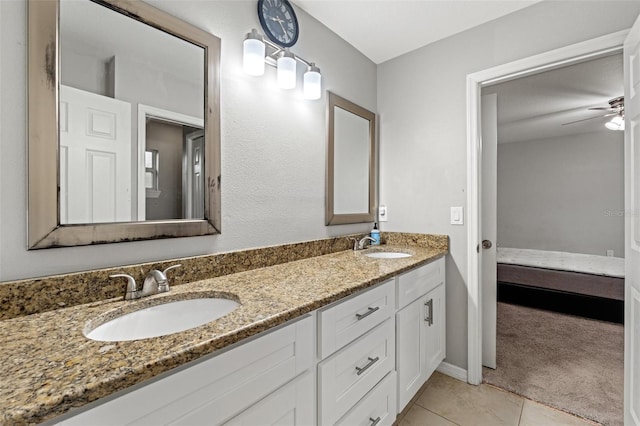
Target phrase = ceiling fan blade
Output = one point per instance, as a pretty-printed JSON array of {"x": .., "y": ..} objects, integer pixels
[
  {"x": 590, "y": 118},
  {"x": 601, "y": 109}
]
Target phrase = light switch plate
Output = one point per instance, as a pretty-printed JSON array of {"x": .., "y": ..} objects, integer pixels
[
  {"x": 382, "y": 213},
  {"x": 457, "y": 216}
]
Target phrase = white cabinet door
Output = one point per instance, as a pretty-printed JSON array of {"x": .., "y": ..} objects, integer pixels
[
  {"x": 434, "y": 325},
  {"x": 291, "y": 405},
  {"x": 410, "y": 347},
  {"x": 420, "y": 342}
]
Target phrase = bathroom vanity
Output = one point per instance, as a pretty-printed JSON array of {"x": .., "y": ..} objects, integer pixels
[{"x": 329, "y": 339}]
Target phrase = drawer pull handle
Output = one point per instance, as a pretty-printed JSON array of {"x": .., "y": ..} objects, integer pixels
[
  {"x": 366, "y": 314},
  {"x": 429, "y": 317},
  {"x": 375, "y": 421},
  {"x": 360, "y": 370}
]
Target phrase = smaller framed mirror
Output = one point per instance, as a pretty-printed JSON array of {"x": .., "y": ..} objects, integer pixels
[{"x": 351, "y": 159}]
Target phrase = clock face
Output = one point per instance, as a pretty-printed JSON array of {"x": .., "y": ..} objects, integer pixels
[{"x": 278, "y": 21}]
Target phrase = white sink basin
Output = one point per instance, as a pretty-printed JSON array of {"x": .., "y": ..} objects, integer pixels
[
  {"x": 387, "y": 255},
  {"x": 160, "y": 320}
]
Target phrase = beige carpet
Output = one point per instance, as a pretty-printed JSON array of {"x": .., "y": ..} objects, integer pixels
[{"x": 571, "y": 363}]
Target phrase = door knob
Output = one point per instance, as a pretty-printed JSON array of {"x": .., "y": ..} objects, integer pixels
[{"x": 486, "y": 244}]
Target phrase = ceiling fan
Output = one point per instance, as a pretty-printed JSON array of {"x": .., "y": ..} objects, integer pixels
[{"x": 615, "y": 109}]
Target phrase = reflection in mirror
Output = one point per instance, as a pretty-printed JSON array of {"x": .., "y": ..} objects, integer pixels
[
  {"x": 124, "y": 135},
  {"x": 350, "y": 163},
  {"x": 111, "y": 68}
]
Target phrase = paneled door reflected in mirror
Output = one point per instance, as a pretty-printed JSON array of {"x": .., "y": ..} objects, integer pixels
[
  {"x": 124, "y": 124},
  {"x": 131, "y": 119}
]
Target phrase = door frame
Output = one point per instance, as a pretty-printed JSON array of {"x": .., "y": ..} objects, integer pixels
[
  {"x": 144, "y": 112},
  {"x": 579, "y": 52}
]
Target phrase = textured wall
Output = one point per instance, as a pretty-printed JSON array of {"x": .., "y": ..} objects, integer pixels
[
  {"x": 563, "y": 194},
  {"x": 273, "y": 145},
  {"x": 423, "y": 128}
]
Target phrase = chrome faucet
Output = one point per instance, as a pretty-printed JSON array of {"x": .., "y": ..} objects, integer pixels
[
  {"x": 132, "y": 288},
  {"x": 359, "y": 244},
  {"x": 156, "y": 282}
]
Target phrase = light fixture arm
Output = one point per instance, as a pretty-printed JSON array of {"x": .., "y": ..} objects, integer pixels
[{"x": 275, "y": 50}]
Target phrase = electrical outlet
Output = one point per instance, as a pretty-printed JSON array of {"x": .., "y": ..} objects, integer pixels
[
  {"x": 382, "y": 213},
  {"x": 610, "y": 253}
]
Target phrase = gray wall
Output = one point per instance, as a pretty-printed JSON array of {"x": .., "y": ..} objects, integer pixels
[
  {"x": 564, "y": 194},
  {"x": 422, "y": 107},
  {"x": 273, "y": 145}
]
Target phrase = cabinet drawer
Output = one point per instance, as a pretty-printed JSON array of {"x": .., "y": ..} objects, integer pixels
[
  {"x": 221, "y": 386},
  {"x": 290, "y": 405},
  {"x": 345, "y": 377},
  {"x": 419, "y": 281},
  {"x": 348, "y": 320},
  {"x": 378, "y": 406}
]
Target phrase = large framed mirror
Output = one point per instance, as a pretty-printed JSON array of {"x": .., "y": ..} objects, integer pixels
[
  {"x": 123, "y": 124},
  {"x": 351, "y": 160}
]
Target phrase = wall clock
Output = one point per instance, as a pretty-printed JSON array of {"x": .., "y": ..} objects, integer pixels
[{"x": 279, "y": 21}]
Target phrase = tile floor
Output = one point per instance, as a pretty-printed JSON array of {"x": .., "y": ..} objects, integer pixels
[{"x": 445, "y": 401}]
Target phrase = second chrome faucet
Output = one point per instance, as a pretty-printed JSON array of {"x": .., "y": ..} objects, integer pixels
[{"x": 155, "y": 282}]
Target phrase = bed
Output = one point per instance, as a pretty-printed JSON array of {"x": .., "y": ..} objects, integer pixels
[{"x": 579, "y": 284}]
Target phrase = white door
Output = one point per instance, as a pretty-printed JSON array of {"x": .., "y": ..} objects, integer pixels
[
  {"x": 95, "y": 158},
  {"x": 193, "y": 180},
  {"x": 632, "y": 227},
  {"x": 489, "y": 223}
]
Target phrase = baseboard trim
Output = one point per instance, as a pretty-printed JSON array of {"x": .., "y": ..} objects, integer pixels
[{"x": 453, "y": 371}]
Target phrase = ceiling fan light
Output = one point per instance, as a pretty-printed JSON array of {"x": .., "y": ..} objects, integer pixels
[{"x": 616, "y": 123}]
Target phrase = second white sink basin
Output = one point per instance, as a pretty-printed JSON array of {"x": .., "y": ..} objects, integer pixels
[
  {"x": 387, "y": 255},
  {"x": 160, "y": 320}
]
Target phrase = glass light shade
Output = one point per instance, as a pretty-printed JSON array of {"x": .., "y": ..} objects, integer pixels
[
  {"x": 286, "y": 74},
  {"x": 312, "y": 83},
  {"x": 253, "y": 56},
  {"x": 616, "y": 123}
]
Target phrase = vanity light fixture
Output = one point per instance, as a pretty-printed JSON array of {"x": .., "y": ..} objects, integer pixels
[
  {"x": 253, "y": 54},
  {"x": 616, "y": 123},
  {"x": 286, "y": 70},
  {"x": 258, "y": 51},
  {"x": 312, "y": 82}
]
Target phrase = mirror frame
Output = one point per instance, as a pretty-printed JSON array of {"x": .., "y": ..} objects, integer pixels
[
  {"x": 44, "y": 227},
  {"x": 331, "y": 218}
]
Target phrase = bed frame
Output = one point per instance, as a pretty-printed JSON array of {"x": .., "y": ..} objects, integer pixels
[{"x": 593, "y": 296}]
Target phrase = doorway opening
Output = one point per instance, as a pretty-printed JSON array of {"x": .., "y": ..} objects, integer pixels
[
  {"x": 553, "y": 213},
  {"x": 592, "y": 49}
]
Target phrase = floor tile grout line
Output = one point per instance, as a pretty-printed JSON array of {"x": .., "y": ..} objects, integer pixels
[
  {"x": 442, "y": 417},
  {"x": 521, "y": 411}
]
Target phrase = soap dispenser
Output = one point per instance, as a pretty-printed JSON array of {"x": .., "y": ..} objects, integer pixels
[{"x": 375, "y": 234}]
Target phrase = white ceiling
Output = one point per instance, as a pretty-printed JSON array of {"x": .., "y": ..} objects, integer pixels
[
  {"x": 530, "y": 108},
  {"x": 535, "y": 107},
  {"x": 384, "y": 29}
]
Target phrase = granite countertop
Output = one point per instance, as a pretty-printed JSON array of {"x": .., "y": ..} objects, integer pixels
[{"x": 47, "y": 365}]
